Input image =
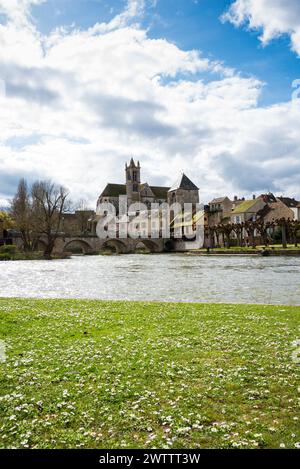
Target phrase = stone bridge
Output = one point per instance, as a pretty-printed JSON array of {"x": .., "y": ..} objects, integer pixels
[{"x": 90, "y": 244}]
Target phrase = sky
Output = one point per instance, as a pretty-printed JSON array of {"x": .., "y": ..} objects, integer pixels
[{"x": 208, "y": 87}]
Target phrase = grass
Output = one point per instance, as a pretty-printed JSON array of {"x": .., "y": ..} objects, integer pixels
[
  {"x": 90, "y": 374},
  {"x": 276, "y": 247}
]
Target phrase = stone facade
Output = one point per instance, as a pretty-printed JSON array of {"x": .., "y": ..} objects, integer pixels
[
  {"x": 77, "y": 223},
  {"x": 220, "y": 210},
  {"x": 183, "y": 191}
]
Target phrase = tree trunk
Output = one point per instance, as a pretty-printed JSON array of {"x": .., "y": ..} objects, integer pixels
[{"x": 284, "y": 239}]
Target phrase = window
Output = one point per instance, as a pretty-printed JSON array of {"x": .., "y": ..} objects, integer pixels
[{"x": 135, "y": 188}]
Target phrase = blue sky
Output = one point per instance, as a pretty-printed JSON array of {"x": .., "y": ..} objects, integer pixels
[
  {"x": 202, "y": 86},
  {"x": 192, "y": 24}
]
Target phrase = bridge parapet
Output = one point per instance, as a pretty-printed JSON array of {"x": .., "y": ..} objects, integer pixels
[{"x": 90, "y": 244}]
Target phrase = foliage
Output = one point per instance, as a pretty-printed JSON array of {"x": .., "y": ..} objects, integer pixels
[
  {"x": 4, "y": 256},
  {"x": 10, "y": 249},
  {"x": 8, "y": 252},
  {"x": 22, "y": 213},
  {"x": 7, "y": 221},
  {"x": 89, "y": 374}
]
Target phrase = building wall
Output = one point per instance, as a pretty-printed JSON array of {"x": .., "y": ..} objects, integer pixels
[
  {"x": 248, "y": 214},
  {"x": 77, "y": 223},
  {"x": 182, "y": 196}
]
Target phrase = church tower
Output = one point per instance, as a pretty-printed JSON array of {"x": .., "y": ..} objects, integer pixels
[
  {"x": 184, "y": 191},
  {"x": 133, "y": 181}
]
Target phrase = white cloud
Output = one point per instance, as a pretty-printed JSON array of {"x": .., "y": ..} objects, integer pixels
[
  {"x": 18, "y": 11},
  {"x": 80, "y": 103},
  {"x": 272, "y": 17}
]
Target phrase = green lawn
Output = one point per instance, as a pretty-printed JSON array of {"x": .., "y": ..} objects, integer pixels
[{"x": 123, "y": 375}]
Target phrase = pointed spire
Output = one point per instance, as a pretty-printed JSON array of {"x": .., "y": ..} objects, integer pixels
[{"x": 184, "y": 183}]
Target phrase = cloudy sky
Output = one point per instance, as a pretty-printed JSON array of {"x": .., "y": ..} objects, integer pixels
[{"x": 203, "y": 86}]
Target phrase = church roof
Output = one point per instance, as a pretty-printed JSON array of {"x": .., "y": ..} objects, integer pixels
[
  {"x": 184, "y": 183},
  {"x": 114, "y": 190},
  {"x": 160, "y": 192}
]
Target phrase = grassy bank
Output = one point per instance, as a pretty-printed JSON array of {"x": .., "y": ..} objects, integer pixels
[
  {"x": 251, "y": 250},
  {"x": 116, "y": 374},
  {"x": 12, "y": 253}
]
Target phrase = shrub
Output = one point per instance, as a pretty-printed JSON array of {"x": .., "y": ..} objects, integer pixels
[
  {"x": 4, "y": 257},
  {"x": 9, "y": 249}
]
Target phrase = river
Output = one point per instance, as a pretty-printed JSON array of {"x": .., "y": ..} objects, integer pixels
[{"x": 167, "y": 277}]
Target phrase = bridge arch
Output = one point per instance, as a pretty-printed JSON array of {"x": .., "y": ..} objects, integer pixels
[
  {"x": 115, "y": 244},
  {"x": 149, "y": 244},
  {"x": 78, "y": 244}
]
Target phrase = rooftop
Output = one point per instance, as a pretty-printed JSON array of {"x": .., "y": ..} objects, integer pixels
[
  {"x": 184, "y": 183},
  {"x": 289, "y": 202},
  {"x": 244, "y": 206},
  {"x": 114, "y": 190},
  {"x": 218, "y": 200}
]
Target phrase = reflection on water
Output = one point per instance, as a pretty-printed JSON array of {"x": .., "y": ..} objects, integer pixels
[{"x": 168, "y": 277}]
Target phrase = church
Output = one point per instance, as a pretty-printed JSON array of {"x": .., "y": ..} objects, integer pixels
[{"x": 183, "y": 190}]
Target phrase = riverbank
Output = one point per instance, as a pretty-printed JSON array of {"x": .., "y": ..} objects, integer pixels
[
  {"x": 11, "y": 253},
  {"x": 273, "y": 250},
  {"x": 94, "y": 374}
]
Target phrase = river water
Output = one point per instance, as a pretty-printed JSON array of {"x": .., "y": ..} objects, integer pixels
[{"x": 167, "y": 277}]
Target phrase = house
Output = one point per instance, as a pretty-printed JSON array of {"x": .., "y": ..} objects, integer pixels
[
  {"x": 275, "y": 210},
  {"x": 248, "y": 210},
  {"x": 293, "y": 205},
  {"x": 219, "y": 210}
]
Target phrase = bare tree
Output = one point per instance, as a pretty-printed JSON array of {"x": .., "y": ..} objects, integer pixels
[
  {"x": 294, "y": 230},
  {"x": 249, "y": 227},
  {"x": 49, "y": 201},
  {"x": 21, "y": 212},
  {"x": 283, "y": 223},
  {"x": 226, "y": 230},
  {"x": 238, "y": 229}
]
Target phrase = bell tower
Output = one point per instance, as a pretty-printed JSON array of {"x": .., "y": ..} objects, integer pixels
[{"x": 133, "y": 181}]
